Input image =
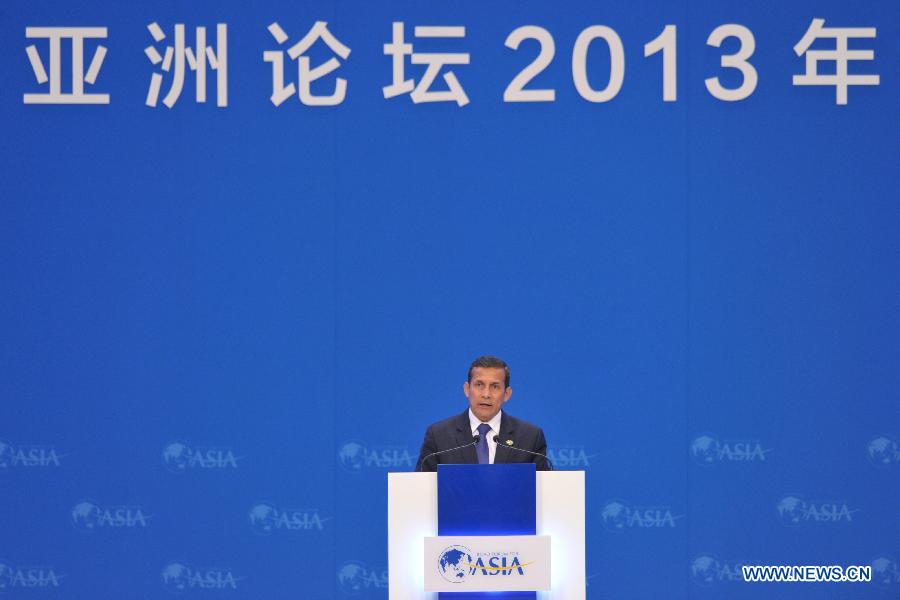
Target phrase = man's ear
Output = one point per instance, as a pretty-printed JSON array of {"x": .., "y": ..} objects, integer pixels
[
  {"x": 507, "y": 394},
  {"x": 466, "y": 389}
]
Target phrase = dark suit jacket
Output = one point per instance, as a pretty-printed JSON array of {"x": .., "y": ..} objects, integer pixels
[{"x": 456, "y": 431}]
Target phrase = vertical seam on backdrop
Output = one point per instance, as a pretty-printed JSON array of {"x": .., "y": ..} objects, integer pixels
[
  {"x": 687, "y": 298},
  {"x": 334, "y": 322}
]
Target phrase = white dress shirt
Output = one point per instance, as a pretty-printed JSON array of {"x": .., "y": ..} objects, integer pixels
[{"x": 495, "y": 430}]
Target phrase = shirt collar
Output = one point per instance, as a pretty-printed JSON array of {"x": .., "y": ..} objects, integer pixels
[{"x": 474, "y": 422}]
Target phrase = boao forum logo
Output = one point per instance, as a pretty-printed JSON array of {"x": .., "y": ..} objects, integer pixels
[
  {"x": 178, "y": 577},
  {"x": 883, "y": 451},
  {"x": 793, "y": 510},
  {"x": 355, "y": 577},
  {"x": 708, "y": 571},
  {"x": 570, "y": 456},
  {"x": 457, "y": 563},
  {"x": 355, "y": 456},
  {"x": 885, "y": 572},
  {"x": 27, "y": 456},
  {"x": 15, "y": 579},
  {"x": 89, "y": 516},
  {"x": 266, "y": 518},
  {"x": 618, "y": 515},
  {"x": 180, "y": 457},
  {"x": 707, "y": 450}
]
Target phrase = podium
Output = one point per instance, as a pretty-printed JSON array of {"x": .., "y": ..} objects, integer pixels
[{"x": 500, "y": 519}]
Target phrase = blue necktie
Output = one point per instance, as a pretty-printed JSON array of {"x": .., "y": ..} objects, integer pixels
[{"x": 481, "y": 448}]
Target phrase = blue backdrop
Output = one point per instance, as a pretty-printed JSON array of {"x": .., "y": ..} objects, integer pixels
[{"x": 223, "y": 325}]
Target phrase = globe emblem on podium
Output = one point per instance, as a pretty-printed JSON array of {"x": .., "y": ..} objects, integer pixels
[
  {"x": 614, "y": 516},
  {"x": 703, "y": 570},
  {"x": 704, "y": 450},
  {"x": 881, "y": 451},
  {"x": 791, "y": 510},
  {"x": 175, "y": 457},
  {"x": 85, "y": 516},
  {"x": 351, "y": 578},
  {"x": 352, "y": 456},
  {"x": 175, "y": 577},
  {"x": 453, "y": 564}
]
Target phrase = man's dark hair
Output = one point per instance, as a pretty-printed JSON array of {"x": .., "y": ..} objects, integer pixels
[{"x": 490, "y": 362}]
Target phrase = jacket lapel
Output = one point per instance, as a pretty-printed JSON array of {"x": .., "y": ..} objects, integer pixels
[
  {"x": 463, "y": 437},
  {"x": 507, "y": 427}
]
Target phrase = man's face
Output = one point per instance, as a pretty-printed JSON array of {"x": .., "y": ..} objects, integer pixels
[{"x": 487, "y": 392}]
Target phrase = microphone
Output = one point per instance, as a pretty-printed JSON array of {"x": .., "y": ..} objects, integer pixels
[
  {"x": 549, "y": 462},
  {"x": 475, "y": 439}
]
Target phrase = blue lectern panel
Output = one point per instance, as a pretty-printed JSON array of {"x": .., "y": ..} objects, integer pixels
[{"x": 487, "y": 500}]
